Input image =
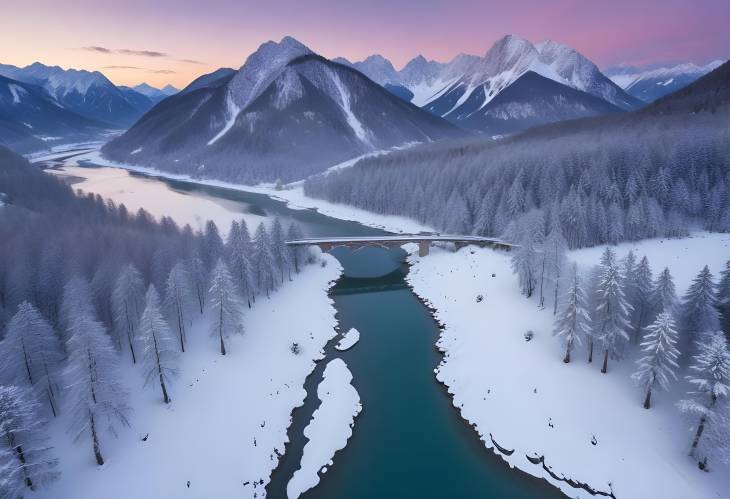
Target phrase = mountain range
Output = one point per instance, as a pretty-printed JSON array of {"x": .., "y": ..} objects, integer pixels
[
  {"x": 649, "y": 84},
  {"x": 285, "y": 114},
  {"x": 89, "y": 93},
  {"x": 463, "y": 90}
]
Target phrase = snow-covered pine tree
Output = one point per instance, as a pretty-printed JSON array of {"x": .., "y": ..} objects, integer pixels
[
  {"x": 32, "y": 355},
  {"x": 92, "y": 373},
  {"x": 264, "y": 265},
  {"x": 225, "y": 305},
  {"x": 279, "y": 250},
  {"x": 76, "y": 300},
  {"x": 572, "y": 323},
  {"x": 28, "y": 461},
  {"x": 723, "y": 296},
  {"x": 663, "y": 294},
  {"x": 555, "y": 249},
  {"x": 240, "y": 253},
  {"x": 527, "y": 232},
  {"x": 199, "y": 278},
  {"x": 628, "y": 280},
  {"x": 159, "y": 352},
  {"x": 127, "y": 306},
  {"x": 178, "y": 300},
  {"x": 658, "y": 364},
  {"x": 710, "y": 375},
  {"x": 211, "y": 248},
  {"x": 640, "y": 301},
  {"x": 698, "y": 311},
  {"x": 611, "y": 308},
  {"x": 296, "y": 253}
]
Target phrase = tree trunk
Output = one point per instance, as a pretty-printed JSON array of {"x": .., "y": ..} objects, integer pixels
[
  {"x": 165, "y": 397},
  {"x": 590, "y": 351},
  {"x": 220, "y": 330},
  {"x": 567, "y": 355},
  {"x": 21, "y": 458},
  {"x": 95, "y": 440},
  {"x": 555, "y": 306},
  {"x": 696, "y": 440},
  {"x": 542, "y": 280},
  {"x": 604, "y": 369},
  {"x": 647, "y": 400}
]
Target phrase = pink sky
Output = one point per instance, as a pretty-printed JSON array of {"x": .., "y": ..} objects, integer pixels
[{"x": 186, "y": 38}]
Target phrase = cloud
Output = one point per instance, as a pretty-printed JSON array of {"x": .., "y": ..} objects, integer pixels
[
  {"x": 191, "y": 61},
  {"x": 162, "y": 71},
  {"x": 96, "y": 48},
  {"x": 122, "y": 67},
  {"x": 143, "y": 53},
  {"x": 138, "y": 53}
]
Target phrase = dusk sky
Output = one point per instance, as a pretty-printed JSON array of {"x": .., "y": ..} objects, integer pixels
[{"x": 175, "y": 41}]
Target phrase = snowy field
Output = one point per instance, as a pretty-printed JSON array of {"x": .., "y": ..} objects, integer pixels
[
  {"x": 228, "y": 419},
  {"x": 589, "y": 427}
]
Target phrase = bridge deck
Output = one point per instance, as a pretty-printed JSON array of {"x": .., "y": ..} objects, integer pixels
[{"x": 400, "y": 238}]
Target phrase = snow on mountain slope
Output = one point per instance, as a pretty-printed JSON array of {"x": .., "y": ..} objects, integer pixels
[
  {"x": 376, "y": 67},
  {"x": 286, "y": 113},
  {"x": 467, "y": 84},
  {"x": 155, "y": 94},
  {"x": 88, "y": 93},
  {"x": 650, "y": 84}
]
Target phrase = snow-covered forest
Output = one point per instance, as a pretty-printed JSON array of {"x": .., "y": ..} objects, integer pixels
[
  {"x": 619, "y": 306},
  {"x": 603, "y": 182},
  {"x": 87, "y": 290}
]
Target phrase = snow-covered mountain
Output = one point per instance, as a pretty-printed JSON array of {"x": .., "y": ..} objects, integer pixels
[
  {"x": 376, "y": 67},
  {"x": 153, "y": 93},
  {"x": 648, "y": 84},
  {"x": 88, "y": 93},
  {"x": 286, "y": 113},
  {"x": 465, "y": 86},
  {"x": 31, "y": 119}
]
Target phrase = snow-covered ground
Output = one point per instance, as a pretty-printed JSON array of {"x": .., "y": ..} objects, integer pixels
[
  {"x": 348, "y": 340},
  {"x": 330, "y": 427},
  {"x": 229, "y": 415},
  {"x": 589, "y": 427}
]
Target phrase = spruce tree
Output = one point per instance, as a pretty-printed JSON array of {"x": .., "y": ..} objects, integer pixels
[
  {"x": 225, "y": 305},
  {"x": 26, "y": 459},
  {"x": 264, "y": 265},
  {"x": 663, "y": 294},
  {"x": 127, "y": 305},
  {"x": 31, "y": 355},
  {"x": 95, "y": 396},
  {"x": 178, "y": 300},
  {"x": 699, "y": 310},
  {"x": 611, "y": 309},
  {"x": 710, "y": 375},
  {"x": 658, "y": 365},
  {"x": 641, "y": 314},
  {"x": 296, "y": 253},
  {"x": 159, "y": 352},
  {"x": 572, "y": 323}
]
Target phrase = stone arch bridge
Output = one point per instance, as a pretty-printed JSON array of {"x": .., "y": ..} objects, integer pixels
[{"x": 394, "y": 241}]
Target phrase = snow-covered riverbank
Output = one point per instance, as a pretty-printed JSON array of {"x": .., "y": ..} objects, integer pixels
[
  {"x": 527, "y": 404},
  {"x": 292, "y": 194},
  {"x": 229, "y": 416}
]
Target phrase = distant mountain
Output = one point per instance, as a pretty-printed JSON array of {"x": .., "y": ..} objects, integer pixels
[
  {"x": 376, "y": 67},
  {"x": 88, "y": 93},
  {"x": 530, "y": 101},
  {"x": 286, "y": 113},
  {"x": 651, "y": 84},
  {"x": 31, "y": 119},
  {"x": 468, "y": 83},
  {"x": 710, "y": 92},
  {"x": 155, "y": 94}
]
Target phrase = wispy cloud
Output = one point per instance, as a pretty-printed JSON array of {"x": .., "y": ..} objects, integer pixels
[
  {"x": 96, "y": 48},
  {"x": 142, "y": 53},
  {"x": 138, "y": 53},
  {"x": 191, "y": 61},
  {"x": 149, "y": 70}
]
